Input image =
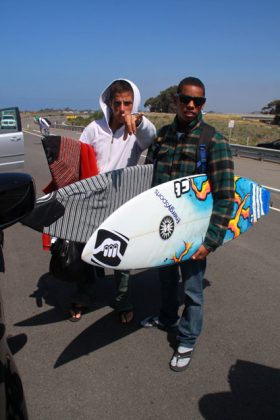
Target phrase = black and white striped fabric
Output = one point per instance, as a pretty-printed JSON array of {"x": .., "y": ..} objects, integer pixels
[{"x": 89, "y": 202}]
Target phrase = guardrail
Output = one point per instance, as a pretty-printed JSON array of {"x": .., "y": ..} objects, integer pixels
[
  {"x": 69, "y": 127},
  {"x": 259, "y": 153}
]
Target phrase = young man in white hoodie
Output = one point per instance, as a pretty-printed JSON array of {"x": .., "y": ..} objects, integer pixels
[{"x": 118, "y": 140}]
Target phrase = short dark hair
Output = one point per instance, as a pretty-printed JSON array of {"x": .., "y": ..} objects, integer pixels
[
  {"x": 194, "y": 81},
  {"x": 119, "y": 86}
]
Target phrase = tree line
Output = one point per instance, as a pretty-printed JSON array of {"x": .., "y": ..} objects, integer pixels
[
  {"x": 164, "y": 102},
  {"x": 273, "y": 108}
]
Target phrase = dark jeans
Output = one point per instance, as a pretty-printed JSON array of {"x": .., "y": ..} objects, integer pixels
[
  {"x": 190, "y": 323},
  {"x": 85, "y": 281},
  {"x": 122, "y": 302}
]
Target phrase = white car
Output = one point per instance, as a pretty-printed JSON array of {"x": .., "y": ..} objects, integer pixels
[
  {"x": 11, "y": 140},
  {"x": 8, "y": 121}
]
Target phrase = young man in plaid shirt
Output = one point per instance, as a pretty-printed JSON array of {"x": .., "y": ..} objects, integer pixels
[{"x": 175, "y": 154}]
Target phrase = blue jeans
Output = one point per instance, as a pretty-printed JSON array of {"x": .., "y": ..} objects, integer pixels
[{"x": 190, "y": 324}]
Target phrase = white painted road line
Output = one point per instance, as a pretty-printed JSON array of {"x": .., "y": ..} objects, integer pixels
[
  {"x": 32, "y": 133},
  {"x": 273, "y": 208},
  {"x": 270, "y": 188}
]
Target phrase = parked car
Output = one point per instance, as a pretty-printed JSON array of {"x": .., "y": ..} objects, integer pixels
[
  {"x": 274, "y": 144},
  {"x": 17, "y": 198},
  {"x": 8, "y": 121},
  {"x": 11, "y": 140}
]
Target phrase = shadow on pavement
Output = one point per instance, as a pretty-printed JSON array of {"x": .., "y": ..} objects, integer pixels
[
  {"x": 103, "y": 332},
  {"x": 145, "y": 290},
  {"x": 48, "y": 317},
  {"x": 255, "y": 394},
  {"x": 16, "y": 342},
  {"x": 145, "y": 295},
  {"x": 52, "y": 291},
  {"x": 58, "y": 294}
]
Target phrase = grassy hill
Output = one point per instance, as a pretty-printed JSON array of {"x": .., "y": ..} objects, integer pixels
[{"x": 248, "y": 132}]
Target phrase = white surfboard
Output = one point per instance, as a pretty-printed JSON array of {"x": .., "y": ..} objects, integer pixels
[{"x": 167, "y": 224}]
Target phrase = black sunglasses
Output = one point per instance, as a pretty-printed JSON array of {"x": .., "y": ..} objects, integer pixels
[{"x": 186, "y": 99}]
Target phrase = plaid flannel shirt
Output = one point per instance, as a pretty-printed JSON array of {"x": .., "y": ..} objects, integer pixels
[{"x": 176, "y": 158}]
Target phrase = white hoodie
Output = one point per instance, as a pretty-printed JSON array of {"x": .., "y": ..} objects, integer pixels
[{"x": 112, "y": 151}]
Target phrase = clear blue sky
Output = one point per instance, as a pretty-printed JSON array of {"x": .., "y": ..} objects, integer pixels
[{"x": 59, "y": 53}]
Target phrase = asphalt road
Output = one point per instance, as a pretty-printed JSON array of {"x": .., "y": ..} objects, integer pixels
[{"x": 98, "y": 369}]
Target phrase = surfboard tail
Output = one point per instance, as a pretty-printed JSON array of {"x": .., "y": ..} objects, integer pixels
[
  {"x": 260, "y": 202},
  {"x": 265, "y": 200}
]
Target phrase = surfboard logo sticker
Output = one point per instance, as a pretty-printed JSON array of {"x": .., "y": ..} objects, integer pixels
[
  {"x": 109, "y": 248},
  {"x": 167, "y": 205},
  {"x": 181, "y": 187},
  {"x": 166, "y": 227}
]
